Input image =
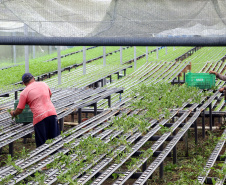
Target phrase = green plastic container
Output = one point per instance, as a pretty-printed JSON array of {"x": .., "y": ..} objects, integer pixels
[
  {"x": 200, "y": 80},
  {"x": 26, "y": 116}
]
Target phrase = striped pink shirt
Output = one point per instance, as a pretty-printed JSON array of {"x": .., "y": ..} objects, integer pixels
[{"x": 37, "y": 96}]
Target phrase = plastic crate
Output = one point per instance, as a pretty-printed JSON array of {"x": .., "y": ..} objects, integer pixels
[
  {"x": 200, "y": 80},
  {"x": 26, "y": 116}
]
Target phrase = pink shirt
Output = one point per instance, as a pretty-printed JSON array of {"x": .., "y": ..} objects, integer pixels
[{"x": 37, "y": 96}]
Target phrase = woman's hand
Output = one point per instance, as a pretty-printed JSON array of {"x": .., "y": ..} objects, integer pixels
[
  {"x": 221, "y": 89},
  {"x": 212, "y": 72},
  {"x": 12, "y": 113}
]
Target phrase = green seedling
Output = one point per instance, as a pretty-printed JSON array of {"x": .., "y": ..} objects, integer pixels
[
  {"x": 49, "y": 141},
  {"x": 9, "y": 110},
  {"x": 10, "y": 162}
]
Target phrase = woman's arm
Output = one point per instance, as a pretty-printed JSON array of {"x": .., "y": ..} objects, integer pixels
[
  {"x": 16, "y": 112},
  {"x": 221, "y": 77},
  {"x": 218, "y": 75}
]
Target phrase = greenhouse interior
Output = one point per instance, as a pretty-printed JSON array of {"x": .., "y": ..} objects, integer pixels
[{"x": 112, "y": 92}]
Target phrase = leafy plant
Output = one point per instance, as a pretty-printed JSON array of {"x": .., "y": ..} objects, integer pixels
[
  {"x": 6, "y": 179},
  {"x": 10, "y": 161},
  {"x": 24, "y": 153},
  {"x": 115, "y": 176},
  {"x": 39, "y": 177},
  {"x": 164, "y": 129},
  {"x": 9, "y": 110},
  {"x": 49, "y": 141}
]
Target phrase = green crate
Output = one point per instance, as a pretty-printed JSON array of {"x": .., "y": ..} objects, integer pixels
[
  {"x": 26, "y": 116},
  {"x": 200, "y": 80}
]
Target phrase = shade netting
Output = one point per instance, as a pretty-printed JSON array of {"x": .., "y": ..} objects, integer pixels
[{"x": 115, "y": 18}]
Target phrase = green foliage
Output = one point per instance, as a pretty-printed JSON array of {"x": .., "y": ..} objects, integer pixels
[
  {"x": 159, "y": 99},
  {"x": 204, "y": 55},
  {"x": 164, "y": 129},
  {"x": 38, "y": 66},
  {"x": 49, "y": 141},
  {"x": 24, "y": 153},
  {"x": 10, "y": 162},
  {"x": 213, "y": 180},
  {"x": 6, "y": 179},
  {"x": 9, "y": 110},
  {"x": 170, "y": 167},
  {"x": 115, "y": 176},
  {"x": 39, "y": 177}
]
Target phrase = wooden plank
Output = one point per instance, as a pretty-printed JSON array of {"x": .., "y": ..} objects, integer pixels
[{"x": 71, "y": 123}]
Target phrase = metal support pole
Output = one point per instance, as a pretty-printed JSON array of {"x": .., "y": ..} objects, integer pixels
[
  {"x": 173, "y": 48},
  {"x": 157, "y": 53},
  {"x": 50, "y": 49},
  {"x": 79, "y": 115},
  {"x": 16, "y": 95},
  {"x": 196, "y": 132},
  {"x": 124, "y": 72},
  {"x": 210, "y": 114},
  {"x": 174, "y": 151},
  {"x": 109, "y": 101},
  {"x": 121, "y": 55},
  {"x": 105, "y": 81},
  {"x": 14, "y": 51},
  {"x": 84, "y": 60},
  {"x": 104, "y": 55},
  {"x": 135, "y": 58},
  {"x": 118, "y": 74},
  {"x": 95, "y": 109},
  {"x": 11, "y": 149},
  {"x": 173, "y": 119},
  {"x": 33, "y": 47},
  {"x": 186, "y": 143},
  {"x": 110, "y": 79},
  {"x": 203, "y": 124},
  {"x": 144, "y": 167},
  {"x": 161, "y": 165},
  {"x": 120, "y": 97},
  {"x": 59, "y": 64},
  {"x": 72, "y": 117},
  {"x": 26, "y": 49},
  {"x": 146, "y": 53},
  {"x": 61, "y": 124},
  {"x": 25, "y": 140},
  {"x": 14, "y": 54},
  {"x": 213, "y": 121},
  {"x": 173, "y": 81}
]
